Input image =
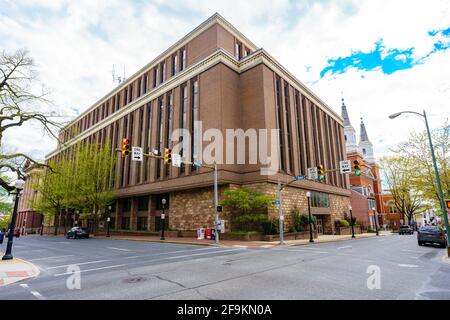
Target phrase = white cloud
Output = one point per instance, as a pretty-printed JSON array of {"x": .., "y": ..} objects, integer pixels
[{"x": 75, "y": 44}]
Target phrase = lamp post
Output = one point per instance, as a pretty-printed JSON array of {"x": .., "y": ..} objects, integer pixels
[
  {"x": 77, "y": 213},
  {"x": 18, "y": 184},
  {"x": 436, "y": 172},
  {"x": 308, "y": 196},
  {"x": 163, "y": 218},
  {"x": 351, "y": 220},
  {"x": 108, "y": 220},
  {"x": 375, "y": 216}
]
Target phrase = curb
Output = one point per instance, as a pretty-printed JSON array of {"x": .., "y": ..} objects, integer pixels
[
  {"x": 36, "y": 271},
  {"x": 329, "y": 241},
  {"x": 164, "y": 241}
]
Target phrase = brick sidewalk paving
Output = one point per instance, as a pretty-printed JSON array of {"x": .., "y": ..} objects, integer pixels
[{"x": 16, "y": 270}]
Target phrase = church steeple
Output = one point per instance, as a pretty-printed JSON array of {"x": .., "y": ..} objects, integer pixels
[
  {"x": 345, "y": 114},
  {"x": 349, "y": 131},
  {"x": 365, "y": 146},
  {"x": 363, "y": 136}
]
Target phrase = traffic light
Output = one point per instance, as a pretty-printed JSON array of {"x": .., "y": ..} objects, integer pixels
[
  {"x": 125, "y": 147},
  {"x": 357, "y": 167},
  {"x": 167, "y": 156},
  {"x": 447, "y": 202},
  {"x": 320, "y": 172}
]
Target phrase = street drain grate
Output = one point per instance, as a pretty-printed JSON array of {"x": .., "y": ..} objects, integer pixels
[{"x": 135, "y": 280}]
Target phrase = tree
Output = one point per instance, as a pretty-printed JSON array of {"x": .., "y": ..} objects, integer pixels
[
  {"x": 247, "y": 206},
  {"x": 79, "y": 182},
  {"x": 54, "y": 190},
  {"x": 417, "y": 149},
  {"x": 93, "y": 166},
  {"x": 399, "y": 173},
  {"x": 20, "y": 103}
]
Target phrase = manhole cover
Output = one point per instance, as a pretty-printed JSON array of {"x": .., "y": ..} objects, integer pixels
[{"x": 135, "y": 280}]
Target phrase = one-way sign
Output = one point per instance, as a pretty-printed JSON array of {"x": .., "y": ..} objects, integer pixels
[
  {"x": 136, "y": 154},
  {"x": 345, "y": 166}
]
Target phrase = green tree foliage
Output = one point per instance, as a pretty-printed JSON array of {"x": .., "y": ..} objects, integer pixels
[
  {"x": 399, "y": 173},
  {"x": 417, "y": 150},
  {"x": 80, "y": 182},
  {"x": 247, "y": 207}
]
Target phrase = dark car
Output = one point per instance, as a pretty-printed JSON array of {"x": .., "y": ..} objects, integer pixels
[
  {"x": 405, "y": 230},
  {"x": 432, "y": 234},
  {"x": 78, "y": 233}
]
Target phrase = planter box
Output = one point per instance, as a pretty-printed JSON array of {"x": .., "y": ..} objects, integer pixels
[
  {"x": 241, "y": 237},
  {"x": 346, "y": 231}
]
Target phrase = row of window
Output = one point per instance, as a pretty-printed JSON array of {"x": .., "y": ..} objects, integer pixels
[
  {"x": 320, "y": 200},
  {"x": 134, "y": 90},
  {"x": 320, "y": 146},
  {"x": 240, "y": 50}
]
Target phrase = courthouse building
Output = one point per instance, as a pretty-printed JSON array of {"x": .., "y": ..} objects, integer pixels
[{"x": 215, "y": 75}]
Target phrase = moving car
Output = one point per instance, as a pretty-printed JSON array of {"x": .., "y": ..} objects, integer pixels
[
  {"x": 78, "y": 232},
  {"x": 432, "y": 234},
  {"x": 405, "y": 230}
]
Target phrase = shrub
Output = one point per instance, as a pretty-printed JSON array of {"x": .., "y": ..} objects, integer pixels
[
  {"x": 342, "y": 223},
  {"x": 270, "y": 227}
]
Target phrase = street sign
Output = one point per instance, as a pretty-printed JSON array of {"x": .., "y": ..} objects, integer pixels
[
  {"x": 281, "y": 218},
  {"x": 197, "y": 164},
  {"x": 176, "y": 160},
  {"x": 136, "y": 154},
  {"x": 345, "y": 166},
  {"x": 297, "y": 178},
  {"x": 275, "y": 203},
  {"x": 312, "y": 173},
  {"x": 163, "y": 215}
]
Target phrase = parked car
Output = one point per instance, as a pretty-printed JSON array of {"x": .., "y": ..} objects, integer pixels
[
  {"x": 432, "y": 234},
  {"x": 405, "y": 230},
  {"x": 78, "y": 233}
]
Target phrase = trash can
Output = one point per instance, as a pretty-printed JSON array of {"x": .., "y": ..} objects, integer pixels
[
  {"x": 208, "y": 233},
  {"x": 213, "y": 234}
]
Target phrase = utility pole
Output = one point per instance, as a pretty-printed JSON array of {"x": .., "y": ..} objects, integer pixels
[{"x": 280, "y": 213}]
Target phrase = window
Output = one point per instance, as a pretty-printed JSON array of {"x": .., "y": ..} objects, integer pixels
[
  {"x": 130, "y": 96},
  {"x": 183, "y": 59},
  {"x": 320, "y": 200},
  {"x": 183, "y": 112},
  {"x": 238, "y": 50},
  {"x": 162, "y": 76},
  {"x": 169, "y": 127},
  {"x": 126, "y": 205},
  {"x": 125, "y": 223},
  {"x": 160, "y": 136},
  {"x": 345, "y": 136},
  {"x": 364, "y": 151},
  {"x": 372, "y": 205},
  {"x": 149, "y": 130},
  {"x": 139, "y": 87},
  {"x": 143, "y": 203},
  {"x": 174, "y": 64},
  {"x": 155, "y": 77},
  {"x": 288, "y": 127},
  {"x": 145, "y": 82},
  {"x": 142, "y": 223},
  {"x": 193, "y": 120},
  {"x": 280, "y": 125}
]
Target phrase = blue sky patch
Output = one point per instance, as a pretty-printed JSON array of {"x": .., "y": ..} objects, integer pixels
[{"x": 388, "y": 61}]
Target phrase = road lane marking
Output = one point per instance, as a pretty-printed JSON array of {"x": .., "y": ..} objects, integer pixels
[
  {"x": 113, "y": 248},
  {"x": 77, "y": 264},
  {"x": 267, "y": 246},
  {"x": 200, "y": 254},
  {"x": 304, "y": 250},
  {"x": 239, "y": 246},
  {"x": 54, "y": 257},
  {"x": 33, "y": 292},
  {"x": 88, "y": 270},
  {"x": 413, "y": 251},
  {"x": 139, "y": 262},
  {"x": 344, "y": 247},
  {"x": 161, "y": 253},
  {"x": 408, "y": 265}
]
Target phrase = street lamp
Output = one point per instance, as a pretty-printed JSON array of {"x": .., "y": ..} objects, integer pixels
[
  {"x": 436, "y": 172},
  {"x": 18, "y": 184},
  {"x": 351, "y": 220},
  {"x": 308, "y": 195},
  {"x": 77, "y": 215},
  {"x": 163, "y": 217},
  {"x": 108, "y": 220}
]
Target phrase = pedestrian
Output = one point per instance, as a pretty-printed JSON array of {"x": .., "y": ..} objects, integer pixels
[{"x": 2, "y": 235}]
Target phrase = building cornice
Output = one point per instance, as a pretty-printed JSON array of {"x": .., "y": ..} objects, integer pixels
[{"x": 218, "y": 56}]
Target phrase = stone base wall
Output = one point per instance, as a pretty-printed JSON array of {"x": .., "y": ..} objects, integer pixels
[{"x": 191, "y": 209}]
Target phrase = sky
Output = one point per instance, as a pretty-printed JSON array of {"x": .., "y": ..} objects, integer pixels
[{"x": 382, "y": 56}]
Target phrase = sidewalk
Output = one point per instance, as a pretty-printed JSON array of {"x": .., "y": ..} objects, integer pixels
[
  {"x": 16, "y": 270},
  {"x": 246, "y": 244}
]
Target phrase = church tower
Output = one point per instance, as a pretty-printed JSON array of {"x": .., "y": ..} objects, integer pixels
[
  {"x": 349, "y": 131},
  {"x": 365, "y": 146}
]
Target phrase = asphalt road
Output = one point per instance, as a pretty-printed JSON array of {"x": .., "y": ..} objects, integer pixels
[{"x": 116, "y": 269}]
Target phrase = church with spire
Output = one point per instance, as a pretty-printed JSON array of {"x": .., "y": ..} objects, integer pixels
[{"x": 366, "y": 198}]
